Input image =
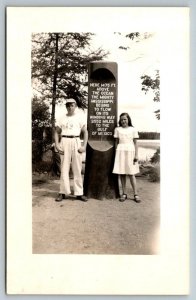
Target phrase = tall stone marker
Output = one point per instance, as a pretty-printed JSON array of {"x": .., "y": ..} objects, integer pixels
[{"x": 99, "y": 182}]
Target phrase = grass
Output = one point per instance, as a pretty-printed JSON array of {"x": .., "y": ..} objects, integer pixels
[
  {"x": 39, "y": 181},
  {"x": 151, "y": 167}
]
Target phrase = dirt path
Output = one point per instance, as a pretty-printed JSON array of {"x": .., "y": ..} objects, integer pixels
[{"x": 95, "y": 227}]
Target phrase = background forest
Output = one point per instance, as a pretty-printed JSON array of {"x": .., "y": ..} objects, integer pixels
[{"x": 59, "y": 71}]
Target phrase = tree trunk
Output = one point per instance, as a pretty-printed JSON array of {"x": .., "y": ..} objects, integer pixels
[
  {"x": 55, "y": 167},
  {"x": 54, "y": 83}
]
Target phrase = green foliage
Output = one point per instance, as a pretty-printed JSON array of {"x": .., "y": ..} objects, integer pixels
[
  {"x": 152, "y": 172},
  {"x": 149, "y": 135},
  {"x": 156, "y": 157},
  {"x": 133, "y": 37},
  {"x": 152, "y": 84},
  {"x": 154, "y": 175},
  {"x": 40, "y": 127},
  {"x": 37, "y": 133},
  {"x": 42, "y": 166},
  {"x": 37, "y": 150},
  {"x": 40, "y": 113},
  {"x": 59, "y": 65}
]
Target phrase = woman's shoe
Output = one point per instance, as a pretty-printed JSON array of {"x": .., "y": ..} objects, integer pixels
[
  {"x": 136, "y": 198},
  {"x": 123, "y": 198}
]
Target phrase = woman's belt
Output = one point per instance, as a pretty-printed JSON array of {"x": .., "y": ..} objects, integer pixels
[{"x": 70, "y": 136}]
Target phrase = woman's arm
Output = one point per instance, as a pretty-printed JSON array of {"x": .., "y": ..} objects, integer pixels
[
  {"x": 116, "y": 142},
  {"x": 136, "y": 150}
]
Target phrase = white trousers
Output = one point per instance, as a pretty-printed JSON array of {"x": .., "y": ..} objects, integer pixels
[{"x": 72, "y": 158}]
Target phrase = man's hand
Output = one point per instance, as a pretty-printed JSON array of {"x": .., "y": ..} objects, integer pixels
[
  {"x": 58, "y": 147},
  {"x": 81, "y": 149}
]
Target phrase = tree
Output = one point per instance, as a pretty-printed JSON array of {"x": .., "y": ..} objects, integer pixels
[
  {"x": 132, "y": 38},
  {"x": 59, "y": 66},
  {"x": 40, "y": 113},
  {"x": 152, "y": 84},
  {"x": 40, "y": 120}
]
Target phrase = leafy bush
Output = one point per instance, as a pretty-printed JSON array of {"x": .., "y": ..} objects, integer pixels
[
  {"x": 156, "y": 157},
  {"x": 40, "y": 144},
  {"x": 41, "y": 167},
  {"x": 40, "y": 113},
  {"x": 151, "y": 171},
  {"x": 154, "y": 175},
  {"x": 37, "y": 150}
]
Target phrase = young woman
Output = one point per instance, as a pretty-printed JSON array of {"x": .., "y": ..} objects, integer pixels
[{"x": 126, "y": 157}]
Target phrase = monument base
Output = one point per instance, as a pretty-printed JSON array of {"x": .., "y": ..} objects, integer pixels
[{"x": 99, "y": 181}]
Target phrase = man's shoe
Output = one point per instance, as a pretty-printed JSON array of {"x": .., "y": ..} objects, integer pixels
[
  {"x": 60, "y": 197},
  {"x": 82, "y": 198}
]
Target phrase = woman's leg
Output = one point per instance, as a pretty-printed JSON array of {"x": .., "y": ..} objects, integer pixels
[
  {"x": 133, "y": 183},
  {"x": 123, "y": 183}
]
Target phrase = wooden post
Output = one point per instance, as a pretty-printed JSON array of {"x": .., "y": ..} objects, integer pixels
[{"x": 99, "y": 182}]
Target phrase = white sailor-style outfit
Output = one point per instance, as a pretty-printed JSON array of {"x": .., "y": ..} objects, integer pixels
[{"x": 70, "y": 143}]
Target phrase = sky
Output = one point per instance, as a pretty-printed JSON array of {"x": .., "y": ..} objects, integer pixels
[{"x": 141, "y": 58}]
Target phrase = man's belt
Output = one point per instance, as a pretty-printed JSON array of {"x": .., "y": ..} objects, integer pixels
[{"x": 70, "y": 136}]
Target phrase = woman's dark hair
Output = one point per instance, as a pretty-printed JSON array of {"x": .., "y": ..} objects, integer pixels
[{"x": 128, "y": 117}]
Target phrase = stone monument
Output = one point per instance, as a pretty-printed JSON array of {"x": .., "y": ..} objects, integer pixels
[{"x": 99, "y": 182}]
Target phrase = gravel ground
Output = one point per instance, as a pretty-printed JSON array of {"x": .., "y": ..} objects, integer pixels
[{"x": 96, "y": 226}]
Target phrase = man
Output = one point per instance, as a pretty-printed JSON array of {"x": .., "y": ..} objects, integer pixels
[{"x": 70, "y": 150}]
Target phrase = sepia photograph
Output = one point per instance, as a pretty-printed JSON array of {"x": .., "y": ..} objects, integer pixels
[
  {"x": 96, "y": 143},
  {"x": 98, "y": 187}
]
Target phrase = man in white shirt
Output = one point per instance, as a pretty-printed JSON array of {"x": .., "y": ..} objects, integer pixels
[{"x": 70, "y": 150}]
